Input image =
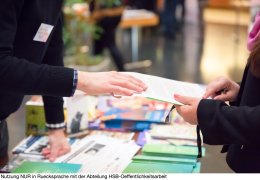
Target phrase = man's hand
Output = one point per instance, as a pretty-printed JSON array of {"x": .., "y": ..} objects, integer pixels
[
  {"x": 222, "y": 89},
  {"x": 109, "y": 83},
  {"x": 189, "y": 110},
  {"x": 58, "y": 145}
]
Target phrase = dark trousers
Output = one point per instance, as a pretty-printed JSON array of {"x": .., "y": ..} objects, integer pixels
[
  {"x": 169, "y": 15},
  {"x": 3, "y": 143},
  {"x": 107, "y": 39}
]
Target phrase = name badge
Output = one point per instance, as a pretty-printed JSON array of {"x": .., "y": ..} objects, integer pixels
[{"x": 43, "y": 33}]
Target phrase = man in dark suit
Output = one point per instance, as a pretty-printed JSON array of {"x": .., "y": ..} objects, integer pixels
[{"x": 31, "y": 61}]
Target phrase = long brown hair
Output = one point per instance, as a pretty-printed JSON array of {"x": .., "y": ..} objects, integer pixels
[{"x": 254, "y": 59}]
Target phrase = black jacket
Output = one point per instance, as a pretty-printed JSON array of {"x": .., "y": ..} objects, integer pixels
[
  {"x": 29, "y": 67},
  {"x": 235, "y": 126}
]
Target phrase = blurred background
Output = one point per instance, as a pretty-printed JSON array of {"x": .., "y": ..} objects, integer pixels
[{"x": 185, "y": 40}]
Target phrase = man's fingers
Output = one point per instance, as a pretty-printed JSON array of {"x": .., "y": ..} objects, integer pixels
[
  {"x": 133, "y": 80},
  {"x": 117, "y": 90},
  {"x": 130, "y": 86},
  {"x": 129, "y": 77},
  {"x": 46, "y": 151},
  {"x": 63, "y": 151},
  {"x": 53, "y": 154}
]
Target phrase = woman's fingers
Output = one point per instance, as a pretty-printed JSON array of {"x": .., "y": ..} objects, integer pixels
[{"x": 214, "y": 87}]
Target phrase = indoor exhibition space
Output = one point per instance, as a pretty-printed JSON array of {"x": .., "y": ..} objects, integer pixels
[{"x": 130, "y": 86}]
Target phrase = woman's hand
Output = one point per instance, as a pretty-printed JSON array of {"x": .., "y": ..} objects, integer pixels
[
  {"x": 109, "y": 83},
  {"x": 188, "y": 111},
  {"x": 222, "y": 89},
  {"x": 58, "y": 145}
]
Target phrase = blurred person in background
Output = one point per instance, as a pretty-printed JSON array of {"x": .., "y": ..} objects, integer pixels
[
  {"x": 31, "y": 63},
  {"x": 150, "y": 5},
  {"x": 107, "y": 16},
  {"x": 235, "y": 125},
  {"x": 171, "y": 24}
]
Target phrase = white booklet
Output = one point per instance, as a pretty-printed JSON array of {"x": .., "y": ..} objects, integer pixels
[
  {"x": 164, "y": 89},
  {"x": 101, "y": 154}
]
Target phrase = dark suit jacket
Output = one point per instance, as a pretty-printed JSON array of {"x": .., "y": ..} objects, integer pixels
[
  {"x": 29, "y": 67},
  {"x": 236, "y": 126}
]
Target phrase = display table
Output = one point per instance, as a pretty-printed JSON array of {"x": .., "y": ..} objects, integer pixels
[{"x": 136, "y": 19}]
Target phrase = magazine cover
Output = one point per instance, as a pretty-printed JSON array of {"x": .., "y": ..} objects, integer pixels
[
  {"x": 132, "y": 109},
  {"x": 46, "y": 167},
  {"x": 33, "y": 145},
  {"x": 35, "y": 117},
  {"x": 80, "y": 110},
  {"x": 115, "y": 134}
]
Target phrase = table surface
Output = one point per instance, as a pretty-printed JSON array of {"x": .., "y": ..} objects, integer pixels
[{"x": 138, "y": 18}]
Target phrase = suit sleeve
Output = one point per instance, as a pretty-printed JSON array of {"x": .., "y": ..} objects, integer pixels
[
  {"x": 53, "y": 106},
  {"x": 18, "y": 75},
  {"x": 222, "y": 124}
]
